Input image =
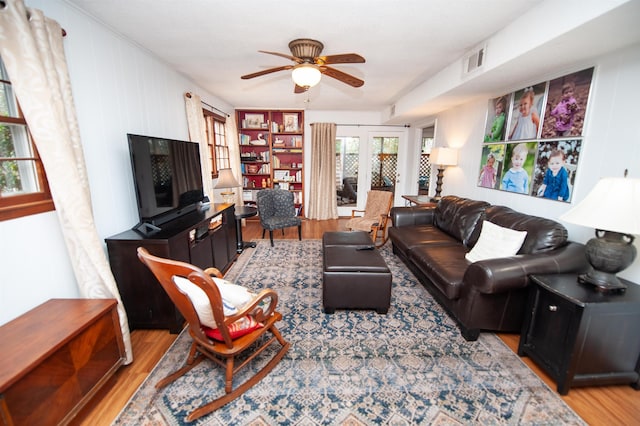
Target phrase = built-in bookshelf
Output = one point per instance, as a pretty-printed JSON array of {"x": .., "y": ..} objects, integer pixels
[{"x": 272, "y": 152}]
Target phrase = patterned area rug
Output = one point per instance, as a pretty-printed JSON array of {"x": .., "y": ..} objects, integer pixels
[{"x": 410, "y": 366}]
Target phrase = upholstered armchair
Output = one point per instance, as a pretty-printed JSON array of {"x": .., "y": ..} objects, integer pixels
[{"x": 276, "y": 210}]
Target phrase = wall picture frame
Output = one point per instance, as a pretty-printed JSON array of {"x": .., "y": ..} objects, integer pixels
[
  {"x": 290, "y": 121},
  {"x": 556, "y": 168},
  {"x": 566, "y": 107},
  {"x": 253, "y": 121}
]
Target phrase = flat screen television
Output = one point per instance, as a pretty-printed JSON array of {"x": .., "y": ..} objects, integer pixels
[{"x": 168, "y": 179}]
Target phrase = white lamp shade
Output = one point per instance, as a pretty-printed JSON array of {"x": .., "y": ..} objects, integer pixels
[
  {"x": 444, "y": 156},
  {"x": 226, "y": 179},
  {"x": 306, "y": 75},
  {"x": 612, "y": 205}
]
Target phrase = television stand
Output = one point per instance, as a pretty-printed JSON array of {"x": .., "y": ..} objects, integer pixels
[
  {"x": 203, "y": 238},
  {"x": 146, "y": 228}
]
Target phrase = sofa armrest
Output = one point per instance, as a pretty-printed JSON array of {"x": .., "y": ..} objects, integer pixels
[
  {"x": 417, "y": 215},
  {"x": 499, "y": 275}
]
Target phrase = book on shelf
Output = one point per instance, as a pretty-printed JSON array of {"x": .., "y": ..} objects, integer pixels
[{"x": 244, "y": 139}]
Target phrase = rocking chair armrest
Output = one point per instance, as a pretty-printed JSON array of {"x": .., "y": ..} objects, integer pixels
[
  {"x": 215, "y": 272},
  {"x": 353, "y": 212},
  {"x": 255, "y": 308}
]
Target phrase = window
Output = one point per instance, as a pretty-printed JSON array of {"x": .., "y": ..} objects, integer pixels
[
  {"x": 217, "y": 142},
  {"x": 23, "y": 184}
]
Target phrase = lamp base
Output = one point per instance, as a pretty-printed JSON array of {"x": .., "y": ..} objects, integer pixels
[
  {"x": 609, "y": 253},
  {"x": 603, "y": 282},
  {"x": 228, "y": 197},
  {"x": 439, "y": 183}
]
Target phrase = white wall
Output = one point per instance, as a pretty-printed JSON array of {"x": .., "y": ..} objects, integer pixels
[
  {"x": 118, "y": 89},
  {"x": 611, "y": 143}
]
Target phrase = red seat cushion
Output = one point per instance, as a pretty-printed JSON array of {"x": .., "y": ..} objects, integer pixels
[{"x": 237, "y": 329}]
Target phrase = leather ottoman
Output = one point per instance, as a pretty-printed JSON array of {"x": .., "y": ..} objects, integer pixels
[
  {"x": 349, "y": 238},
  {"x": 354, "y": 278}
]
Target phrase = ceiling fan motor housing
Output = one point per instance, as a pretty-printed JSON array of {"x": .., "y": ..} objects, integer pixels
[{"x": 306, "y": 48}]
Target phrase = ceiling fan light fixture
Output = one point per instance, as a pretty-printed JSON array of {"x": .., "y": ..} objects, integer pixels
[{"x": 306, "y": 75}]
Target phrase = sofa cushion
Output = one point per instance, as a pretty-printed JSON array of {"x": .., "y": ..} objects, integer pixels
[
  {"x": 542, "y": 234},
  {"x": 406, "y": 237},
  {"x": 460, "y": 218},
  {"x": 444, "y": 266},
  {"x": 496, "y": 241}
]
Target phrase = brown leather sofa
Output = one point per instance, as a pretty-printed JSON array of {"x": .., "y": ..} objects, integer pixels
[{"x": 488, "y": 294}]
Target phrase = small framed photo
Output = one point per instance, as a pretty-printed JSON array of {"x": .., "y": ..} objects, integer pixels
[
  {"x": 290, "y": 122},
  {"x": 253, "y": 121}
]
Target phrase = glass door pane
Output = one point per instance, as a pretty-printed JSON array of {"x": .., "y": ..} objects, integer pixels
[
  {"x": 347, "y": 156},
  {"x": 384, "y": 163}
]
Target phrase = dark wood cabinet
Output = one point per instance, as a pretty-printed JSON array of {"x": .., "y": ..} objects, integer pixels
[
  {"x": 580, "y": 336},
  {"x": 203, "y": 238}
]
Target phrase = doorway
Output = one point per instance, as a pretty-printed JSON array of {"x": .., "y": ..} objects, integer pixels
[{"x": 370, "y": 165}]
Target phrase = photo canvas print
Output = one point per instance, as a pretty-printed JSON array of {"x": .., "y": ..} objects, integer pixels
[
  {"x": 566, "y": 105},
  {"x": 518, "y": 167},
  {"x": 491, "y": 165},
  {"x": 497, "y": 118},
  {"x": 525, "y": 119},
  {"x": 556, "y": 168}
]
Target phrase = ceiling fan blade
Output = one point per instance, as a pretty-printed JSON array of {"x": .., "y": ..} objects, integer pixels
[
  {"x": 268, "y": 71},
  {"x": 342, "y": 76},
  {"x": 299, "y": 89},
  {"x": 283, "y": 55},
  {"x": 345, "y": 58}
]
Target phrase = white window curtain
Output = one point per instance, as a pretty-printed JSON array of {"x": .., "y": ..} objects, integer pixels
[
  {"x": 32, "y": 49},
  {"x": 198, "y": 133},
  {"x": 322, "y": 193},
  {"x": 234, "y": 154}
]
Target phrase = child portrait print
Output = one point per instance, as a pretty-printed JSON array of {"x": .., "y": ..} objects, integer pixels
[
  {"x": 556, "y": 167},
  {"x": 491, "y": 165},
  {"x": 566, "y": 105},
  {"x": 518, "y": 167},
  {"x": 525, "y": 114},
  {"x": 497, "y": 118}
]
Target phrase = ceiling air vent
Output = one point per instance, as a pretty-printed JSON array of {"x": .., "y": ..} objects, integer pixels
[{"x": 474, "y": 60}]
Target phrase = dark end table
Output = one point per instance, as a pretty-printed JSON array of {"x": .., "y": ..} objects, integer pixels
[
  {"x": 243, "y": 212},
  {"x": 580, "y": 336}
]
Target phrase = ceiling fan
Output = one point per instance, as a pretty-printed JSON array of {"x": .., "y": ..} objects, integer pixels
[{"x": 310, "y": 65}]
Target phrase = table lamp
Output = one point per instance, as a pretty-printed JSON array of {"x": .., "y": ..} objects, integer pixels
[
  {"x": 613, "y": 209},
  {"x": 442, "y": 157},
  {"x": 226, "y": 180}
]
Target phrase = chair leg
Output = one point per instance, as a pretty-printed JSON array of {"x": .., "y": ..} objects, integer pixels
[
  {"x": 193, "y": 359},
  {"x": 299, "y": 232},
  {"x": 263, "y": 233},
  {"x": 271, "y": 237},
  {"x": 228, "y": 397}
]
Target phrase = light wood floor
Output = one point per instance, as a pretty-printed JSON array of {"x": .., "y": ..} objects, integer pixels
[{"x": 599, "y": 405}]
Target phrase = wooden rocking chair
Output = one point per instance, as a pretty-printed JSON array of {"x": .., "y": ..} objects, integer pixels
[
  {"x": 375, "y": 216},
  {"x": 183, "y": 283}
]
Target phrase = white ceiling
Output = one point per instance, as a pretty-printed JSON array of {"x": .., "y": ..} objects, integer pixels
[{"x": 405, "y": 43}]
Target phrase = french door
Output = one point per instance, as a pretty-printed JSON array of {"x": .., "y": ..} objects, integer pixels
[{"x": 365, "y": 160}]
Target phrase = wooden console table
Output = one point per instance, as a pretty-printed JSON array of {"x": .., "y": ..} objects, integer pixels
[
  {"x": 55, "y": 357},
  {"x": 419, "y": 200}
]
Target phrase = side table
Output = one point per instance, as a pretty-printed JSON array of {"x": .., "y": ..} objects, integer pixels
[
  {"x": 580, "y": 336},
  {"x": 243, "y": 212}
]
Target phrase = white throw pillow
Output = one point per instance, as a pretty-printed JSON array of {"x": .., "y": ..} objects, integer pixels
[
  {"x": 234, "y": 298},
  {"x": 496, "y": 241}
]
